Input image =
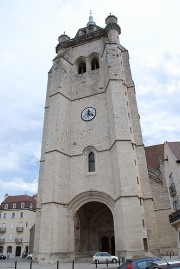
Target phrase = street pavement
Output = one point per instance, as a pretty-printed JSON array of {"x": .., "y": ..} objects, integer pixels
[{"x": 25, "y": 264}]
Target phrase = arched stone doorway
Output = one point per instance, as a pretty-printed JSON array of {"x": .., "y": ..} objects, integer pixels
[
  {"x": 93, "y": 229},
  {"x": 9, "y": 249},
  {"x": 18, "y": 251}
]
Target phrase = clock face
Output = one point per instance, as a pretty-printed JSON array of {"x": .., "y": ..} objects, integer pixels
[{"x": 88, "y": 113}]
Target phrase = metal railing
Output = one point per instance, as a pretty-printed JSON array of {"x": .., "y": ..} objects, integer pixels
[
  {"x": 58, "y": 265},
  {"x": 174, "y": 217},
  {"x": 18, "y": 240},
  {"x": 19, "y": 229},
  {"x": 2, "y": 229},
  {"x": 2, "y": 240}
]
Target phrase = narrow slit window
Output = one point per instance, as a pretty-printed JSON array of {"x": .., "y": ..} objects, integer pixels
[
  {"x": 94, "y": 64},
  {"x": 145, "y": 244},
  {"x": 82, "y": 68},
  {"x": 91, "y": 162}
]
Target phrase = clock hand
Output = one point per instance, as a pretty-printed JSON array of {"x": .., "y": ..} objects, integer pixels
[{"x": 90, "y": 113}]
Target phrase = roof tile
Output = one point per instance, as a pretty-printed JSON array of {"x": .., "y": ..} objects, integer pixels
[
  {"x": 175, "y": 148},
  {"x": 153, "y": 155}
]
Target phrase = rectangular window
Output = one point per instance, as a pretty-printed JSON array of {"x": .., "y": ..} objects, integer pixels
[
  {"x": 4, "y": 225},
  {"x": 5, "y": 215},
  {"x": 14, "y": 205},
  {"x": 6, "y": 206},
  {"x": 21, "y": 215},
  {"x": 22, "y": 205},
  {"x": 13, "y": 215}
]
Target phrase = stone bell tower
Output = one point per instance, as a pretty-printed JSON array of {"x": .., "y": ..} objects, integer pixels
[{"x": 94, "y": 192}]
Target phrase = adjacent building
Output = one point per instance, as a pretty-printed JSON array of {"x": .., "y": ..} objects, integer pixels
[
  {"x": 157, "y": 166},
  {"x": 172, "y": 174},
  {"x": 17, "y": 217}
]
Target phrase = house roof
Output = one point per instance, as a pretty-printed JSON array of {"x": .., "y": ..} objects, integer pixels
[
  {"x": 153, "y": 155},
  {"x": 175, "y": 148},
  {"x": 18, "y": 199}
]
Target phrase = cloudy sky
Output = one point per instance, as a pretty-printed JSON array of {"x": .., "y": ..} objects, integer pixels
[{"x": 28, "y": 34}]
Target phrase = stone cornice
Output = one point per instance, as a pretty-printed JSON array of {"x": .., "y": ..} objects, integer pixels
[
  {"x": 82, "y": 39},
  {"x": 87, "y": 96},
  {"x": 80, "y": 154}
]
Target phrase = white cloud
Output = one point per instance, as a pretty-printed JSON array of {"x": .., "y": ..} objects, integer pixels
[
  {"x": 17, "y": 157},
  {"x": 157, "y": 87},
  {"x": 18, "y": 186},
  {"x": 166, "y": 60}
]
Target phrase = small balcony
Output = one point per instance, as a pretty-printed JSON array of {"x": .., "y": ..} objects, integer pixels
[
  {"x": 2, "y": 241},
  {"x": 174, "y": 218},
  {"x": 2, "y": 229},
  {"x": 172, "y": 190},
  {"x": 18, "y": 240},
  {"x": 19, "y": 229}
]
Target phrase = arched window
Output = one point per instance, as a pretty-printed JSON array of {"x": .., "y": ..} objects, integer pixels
[
  {"x": 9, "y": 249},
  {"x": 82, "y": 68},
  {"x": 91, "y": 162},
  {"x": 94, "y": 64}
]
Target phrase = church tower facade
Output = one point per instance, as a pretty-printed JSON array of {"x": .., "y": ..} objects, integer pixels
[{"x": 94, "y": 191}]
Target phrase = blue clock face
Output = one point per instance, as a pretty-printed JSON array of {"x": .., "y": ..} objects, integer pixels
[{"x": 88, "y": 114}]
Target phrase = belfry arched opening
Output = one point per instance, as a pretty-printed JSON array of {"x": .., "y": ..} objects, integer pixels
[{"x": 93, "y": 229}]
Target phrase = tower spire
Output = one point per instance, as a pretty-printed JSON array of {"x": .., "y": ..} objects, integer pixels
[{"x": 90, "y": 22}]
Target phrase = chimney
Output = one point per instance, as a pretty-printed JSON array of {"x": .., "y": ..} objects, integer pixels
[{"x": 6, "y": 195}]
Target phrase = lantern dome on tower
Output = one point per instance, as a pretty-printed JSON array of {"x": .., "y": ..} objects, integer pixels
[{"x": 91, "y": 22}]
